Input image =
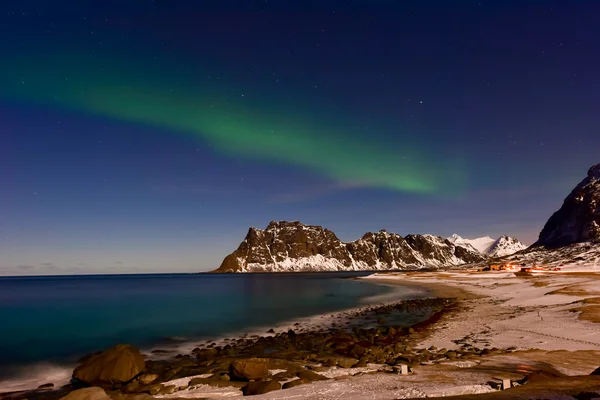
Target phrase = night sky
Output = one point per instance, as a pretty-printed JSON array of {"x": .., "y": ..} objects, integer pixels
[{"x": 144, "y": 136}]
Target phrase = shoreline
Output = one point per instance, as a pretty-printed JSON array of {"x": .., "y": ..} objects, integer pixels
[
  {"x": 436, "y": 289},
  {"x": 332, "y": 325},
  {"x": 496, "y": 325},
  {"x": 60, "y": 372}
]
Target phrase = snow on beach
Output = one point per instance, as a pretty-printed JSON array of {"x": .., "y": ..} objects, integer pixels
[
  {"x": 500, "y": 310},
  {"x": 525, "y": 313}
]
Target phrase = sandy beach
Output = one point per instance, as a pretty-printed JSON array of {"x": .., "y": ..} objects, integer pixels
[{"x": 550, "y": 323}]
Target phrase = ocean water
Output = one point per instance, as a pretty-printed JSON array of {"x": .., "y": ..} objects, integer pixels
[{"x": 55, "y": 320}]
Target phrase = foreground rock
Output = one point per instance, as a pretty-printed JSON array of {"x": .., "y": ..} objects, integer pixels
[
  {"x": 261, "y": 387},
  {"x": 118, "y": 364},
  {"x": 250, "y": 369},
  {"x": 92, "y": 393}
]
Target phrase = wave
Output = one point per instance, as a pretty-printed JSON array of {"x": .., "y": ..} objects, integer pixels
[{"x": 31, "y": 376}]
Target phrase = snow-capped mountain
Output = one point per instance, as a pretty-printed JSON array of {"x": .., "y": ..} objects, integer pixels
[
  {"x": 292, "y": 246},
  {"x": 503, "y": 246},
  {"x": 571, "y": 236}
]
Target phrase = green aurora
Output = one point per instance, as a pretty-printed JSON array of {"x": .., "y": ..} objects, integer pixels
[{"x": 240, "y": 126}]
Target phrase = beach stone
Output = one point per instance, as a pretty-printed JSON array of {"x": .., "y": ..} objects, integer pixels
[
  {"x": 362, "y": 363},
  {"x": 250, "y": 369},
  {"x": 206, "y": 354},
  {"x": 294, "y": 383},
  {"x": 283, "y": 376},
  {"x": 317, "y": 368},
  {"x": 346, "y": 362},
  {"x": 167, "y": 390},
  {"x": 225, "y": 377},
  {"x": 46, "y": 386},
  {"x": 154, "y": 389},
  {"x": 357, "y": 350},
  {"x": 260, "y": 387},
  {"x": 147, "y": 378},
  {"x": 133, "y": 387},
  {"x": 120, "y": 363},
  {"x": 451, "y": 354},
  {"x": 310, "y": 376},
  {"x": 92, "y": 393}
]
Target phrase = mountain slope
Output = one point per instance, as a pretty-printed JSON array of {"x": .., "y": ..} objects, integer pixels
[
  {"x": 578, "y": 220},
  {"x": 292, "y": 246},
  {"x": 503, "y": 246},
  {"x": 572, "y": 234},
  {"x": 481, "y": 244}
]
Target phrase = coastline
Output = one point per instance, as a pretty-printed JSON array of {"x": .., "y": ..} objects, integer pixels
[
  {"x": 435, "y": 289},
  {"x": 43, "y": 372},
  {"x": 496, "y": 326}
]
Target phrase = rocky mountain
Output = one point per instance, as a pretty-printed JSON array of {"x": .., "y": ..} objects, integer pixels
[
  {"x": 571, "y": 237},
  {"x": 503, "y": 246},
  {"x": 578, "y": 220},
  {"x": 292, "y": 246},
  {"x": 584, "y": 254}
]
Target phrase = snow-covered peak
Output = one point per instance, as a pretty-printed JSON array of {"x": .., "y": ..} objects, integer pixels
[
  {"x": 504, "y": 246},
  {"x": 488, "y": 246},
  {"x": 455, "y": 238},
  {"x": 481, "y": 244}
]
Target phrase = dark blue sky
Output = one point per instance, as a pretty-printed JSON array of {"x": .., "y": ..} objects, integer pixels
[{"x": 149, "y": 135}]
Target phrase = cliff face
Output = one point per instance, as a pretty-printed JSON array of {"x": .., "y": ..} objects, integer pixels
[
  {"x": 291, "y": 246},
  {"x": 578, "y": 220}
]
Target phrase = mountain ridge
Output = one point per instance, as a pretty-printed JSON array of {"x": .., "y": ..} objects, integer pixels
[
  {"x": 503, "y": 246},
  {"x": 290, "y": 246}
]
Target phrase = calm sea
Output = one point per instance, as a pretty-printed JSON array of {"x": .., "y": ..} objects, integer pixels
[{"x": 56, "y": 320}]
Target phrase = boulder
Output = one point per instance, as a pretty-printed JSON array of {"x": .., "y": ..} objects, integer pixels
[
  {"x": 167, "y": 389},
  {"x": 284, "y": 376},
  {"x": 206, "y": 354},
  {"x": 133, "y": 387},
  {"x": 147, "y": 378},
  {"x": 261, "y": 387},
  {"x": 120, "y": 363},
  {"x": 294, "y": 383},
  {"x": 346, "y": 362},
  {"x": 311, "y": 376},
  {"x": 362, "y": 363},
  {"x": 92, "y": 393},
  {"x": 249, "y": 369}
]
